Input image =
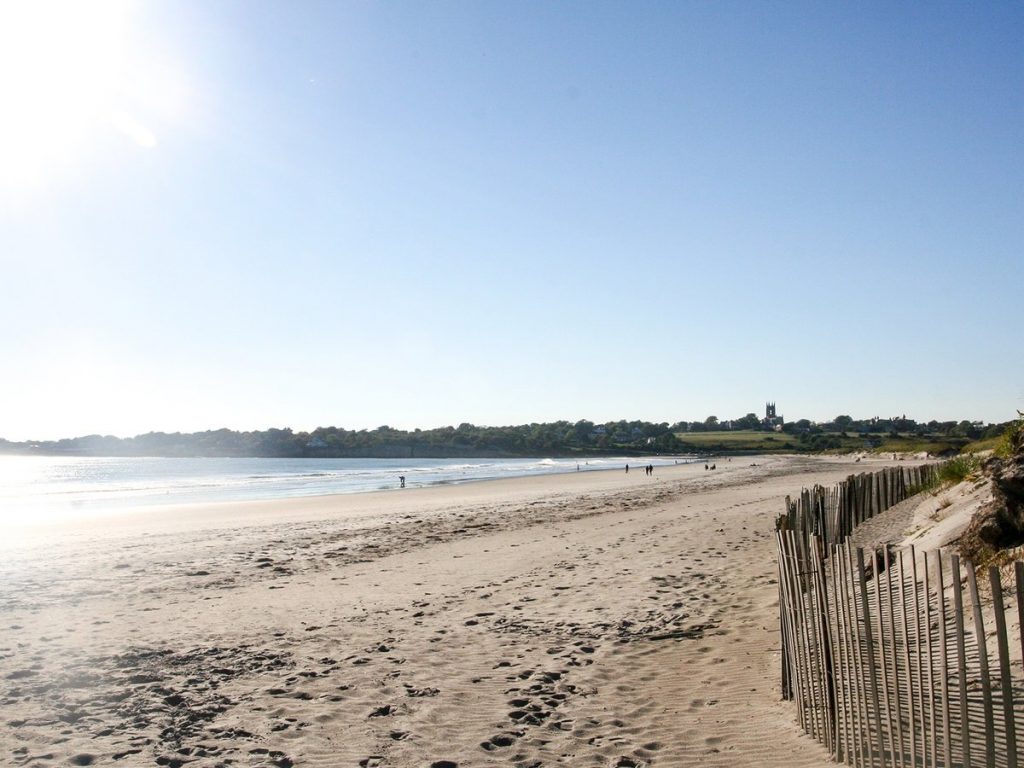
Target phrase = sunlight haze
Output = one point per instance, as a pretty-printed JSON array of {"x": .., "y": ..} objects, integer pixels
[{"x": 246, "y": 215}]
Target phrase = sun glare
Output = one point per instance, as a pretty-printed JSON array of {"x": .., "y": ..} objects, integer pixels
[{"x": 66, "y": 77}]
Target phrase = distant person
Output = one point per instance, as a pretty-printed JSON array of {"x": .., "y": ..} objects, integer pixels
[
  {"x": 401, "y": 481},
  {"x": 627, "y": 469},
  {"x": 705, "y": 467},
  {"x": 650, "y": 470}
]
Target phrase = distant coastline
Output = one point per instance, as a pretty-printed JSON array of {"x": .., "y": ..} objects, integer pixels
[{"x": 562, "y": 439}]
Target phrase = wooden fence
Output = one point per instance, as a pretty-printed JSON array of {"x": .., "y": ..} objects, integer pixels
[
  {"x": 833, "y": 513},
  {"x": 898, "y": 659}
]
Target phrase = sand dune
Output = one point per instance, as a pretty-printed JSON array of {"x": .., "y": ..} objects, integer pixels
[{"x": 591, "y": 619}]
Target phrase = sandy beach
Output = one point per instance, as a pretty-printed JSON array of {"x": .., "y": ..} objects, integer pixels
[{"x": 590, "y": 619}]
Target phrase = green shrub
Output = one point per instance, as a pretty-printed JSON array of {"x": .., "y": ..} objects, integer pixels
[
  {"x": 959, "y": 468},
  {"x": 1012, "y": 441}
]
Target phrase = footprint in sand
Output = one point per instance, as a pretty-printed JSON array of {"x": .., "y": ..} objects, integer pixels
[{"x": 500, "y": 740}]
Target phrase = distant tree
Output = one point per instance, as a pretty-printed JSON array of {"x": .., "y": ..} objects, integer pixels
[
  {"x": 711, "y": 422},
  {"x": 750, "y": 421},
  {"x": 582, "y": 430},
  {"x": 843, "y": 422}
]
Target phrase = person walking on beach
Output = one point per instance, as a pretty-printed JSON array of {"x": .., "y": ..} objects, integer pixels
[
  {"x": 627, "y": 469},
  {"x": 401, "y": 480}
]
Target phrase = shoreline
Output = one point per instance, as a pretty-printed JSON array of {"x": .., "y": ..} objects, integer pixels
[
  {"x": 60, "y": 493},
  {"x": 345, "y": 503}
]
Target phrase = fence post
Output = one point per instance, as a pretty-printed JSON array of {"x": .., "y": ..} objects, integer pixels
[
  {"x": 787, "y": 685},
  {"x": 870, "y": 652},
  {"x": 1005, "y": 684},
  {"x": 893, "y": 655},
  {"x": 931, "y": 664},
  {"x": 799, "y": 650},
  {"x": 825, "y": 650},
  {"x": 882, "y": 657},
  {"x": 844, "y": 710},
  {"x": 906, "y": 659},
  {"x": 864, "y": 736},
  {"x": 986, "y": 684},
  {"x": 854, "y": 656},
  {"x": 961, "y": 658},
  {"x": 815, "y": 661},
  {"x": 791, "y": 653},
  {"x": 947, "y": 737}
]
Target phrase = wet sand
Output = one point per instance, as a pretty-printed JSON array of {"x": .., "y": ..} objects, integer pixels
[{"x": 588, "y": 619}]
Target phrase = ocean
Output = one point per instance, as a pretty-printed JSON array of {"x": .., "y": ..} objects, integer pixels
[{"x": 47, "y": 487}]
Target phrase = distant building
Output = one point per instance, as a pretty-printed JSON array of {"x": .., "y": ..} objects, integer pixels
[{"x": 771, "y": 418}]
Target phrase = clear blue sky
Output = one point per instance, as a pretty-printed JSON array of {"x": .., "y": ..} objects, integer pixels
[{"x": 254, "y": 214}]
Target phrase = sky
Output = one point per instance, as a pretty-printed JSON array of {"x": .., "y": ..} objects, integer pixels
[{"x": 249, "y": 214}]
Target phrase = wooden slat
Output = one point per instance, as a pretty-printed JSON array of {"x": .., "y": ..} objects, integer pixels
[
  {"x": 919, "y": 692},
  {"x": 893, "y": 653},
  {"x": 835, "y": 626},
  {"x": 800, "y": 623},
  {"x": 825, "y": 651},
  {"x": 906, "y": 658},
  {"x": 940, "y": 589},
  {"x": 930, "y": 690},
  {"x": 961, "y": 662},
  {"x": 986, "y": 683},
  {"x": 787, "y": 689},
  {"x": 807, "y": 626},
  {"x": 870, "y": 650},
  {"x": 857, "y": 677},
  {"x": 847, "y": 682},
  {"x": 864, "y": 734},
  {"x": 883, "y": 653},
  {"x": 819, "y": 638},
  {"x": 1005, "y": 683},
  {"x": 791, "y": 643}
]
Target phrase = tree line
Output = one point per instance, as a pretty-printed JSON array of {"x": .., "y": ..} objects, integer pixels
[{"x": 559, "y": 438}]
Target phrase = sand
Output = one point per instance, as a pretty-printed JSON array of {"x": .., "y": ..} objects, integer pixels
[{"x": 588, "y": 619}]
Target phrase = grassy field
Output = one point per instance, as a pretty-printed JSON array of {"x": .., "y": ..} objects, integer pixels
[
  {"x": 749, "y": 441},
  {"x": 740, "y": 440}
]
